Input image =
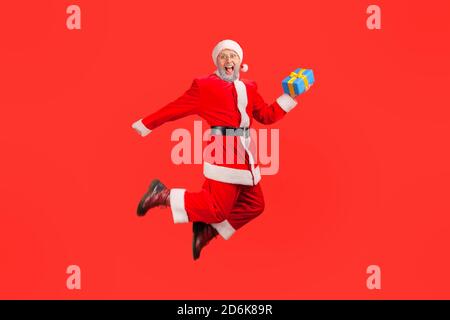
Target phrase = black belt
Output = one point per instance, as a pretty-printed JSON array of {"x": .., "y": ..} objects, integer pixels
[{"x": 230, "y": 131}]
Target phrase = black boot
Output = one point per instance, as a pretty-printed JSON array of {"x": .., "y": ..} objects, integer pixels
[
  {"x": 157, "y": 195},
  {"x": 203, "y": 234}
]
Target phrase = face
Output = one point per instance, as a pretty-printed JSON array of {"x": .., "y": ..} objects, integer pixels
[{"x": 228, "y": 63}]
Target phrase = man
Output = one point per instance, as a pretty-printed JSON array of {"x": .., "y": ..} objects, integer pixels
[{"x": 231, "y": 195}]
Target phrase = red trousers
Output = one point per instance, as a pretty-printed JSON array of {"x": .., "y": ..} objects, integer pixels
[{"x": 227, "y": 207}]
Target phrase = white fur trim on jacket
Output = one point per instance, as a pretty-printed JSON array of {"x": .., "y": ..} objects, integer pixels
[
  {"x": 286, "y": 102},
  {"x": 179, "y": 213},
  {"x": 224, "y": 228},
  {"x": 231, "y": 175},
  {"x": 242, "y": 101},
  {"x": 141, "y": 128}
]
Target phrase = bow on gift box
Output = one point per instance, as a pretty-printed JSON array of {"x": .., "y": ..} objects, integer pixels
[{"x": 296, "y": 76}]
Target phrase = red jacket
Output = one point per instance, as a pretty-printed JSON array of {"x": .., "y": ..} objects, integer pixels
[{"x": 223, "y": 103}]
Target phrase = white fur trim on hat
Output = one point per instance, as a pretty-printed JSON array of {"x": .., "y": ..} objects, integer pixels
[{"x": 231, "y": 45}]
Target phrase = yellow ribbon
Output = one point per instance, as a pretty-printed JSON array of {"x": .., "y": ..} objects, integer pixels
[{"x": 296, "y": 76}]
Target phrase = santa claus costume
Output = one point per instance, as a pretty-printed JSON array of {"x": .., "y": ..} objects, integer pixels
[{"x": 231, "y": 195}]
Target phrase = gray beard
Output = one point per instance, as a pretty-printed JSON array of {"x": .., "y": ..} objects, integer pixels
[{"x": 230, "y": 78}]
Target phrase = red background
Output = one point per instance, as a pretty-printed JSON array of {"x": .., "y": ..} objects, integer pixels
[{"x": 364, "y": 169}]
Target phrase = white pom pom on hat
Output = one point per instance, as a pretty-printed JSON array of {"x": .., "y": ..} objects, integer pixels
[{"x": 231, "y": 45}]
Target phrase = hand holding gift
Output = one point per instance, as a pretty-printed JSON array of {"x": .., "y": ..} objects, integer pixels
[{"x": 298, "y": 82}]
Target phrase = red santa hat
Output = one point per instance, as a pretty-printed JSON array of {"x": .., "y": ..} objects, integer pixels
[{"x": 231, "y": 45}]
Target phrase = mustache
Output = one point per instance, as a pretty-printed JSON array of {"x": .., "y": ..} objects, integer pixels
[{"x": 232, "y": 77}]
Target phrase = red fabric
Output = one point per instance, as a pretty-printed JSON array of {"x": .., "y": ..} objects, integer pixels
[
  {"x": 218, "y": 201},
  {"x": 215, "y": 100}
]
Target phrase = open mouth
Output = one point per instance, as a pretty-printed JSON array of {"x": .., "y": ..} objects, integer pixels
[{"x": 229, "y": 69}]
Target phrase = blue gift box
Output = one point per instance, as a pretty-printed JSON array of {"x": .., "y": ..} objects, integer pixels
[{"x": 298, "y": 81}]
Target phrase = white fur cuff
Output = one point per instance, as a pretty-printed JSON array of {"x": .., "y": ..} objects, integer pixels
[
  {"x": 141, "y": 128},
  {"x": 224, "y": 228},
  {"x": 179, "y": 213},
  {"x": 286, "y": 102}
]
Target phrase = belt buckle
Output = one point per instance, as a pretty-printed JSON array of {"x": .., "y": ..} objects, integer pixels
[
  {"x": 238, "y": 132},
  {"x": 245, "y": 132}
]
